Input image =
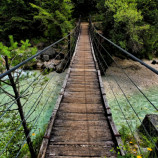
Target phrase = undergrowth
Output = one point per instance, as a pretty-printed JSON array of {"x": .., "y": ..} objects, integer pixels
[{"x": 134, "y": 144}]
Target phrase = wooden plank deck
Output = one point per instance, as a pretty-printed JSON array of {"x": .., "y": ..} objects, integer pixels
[{"x": 80, "y": 125}]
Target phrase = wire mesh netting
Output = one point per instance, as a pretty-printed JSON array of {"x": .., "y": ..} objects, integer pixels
[
  {"x": 131, "y": 88},
  {"x": 27, "y": 97}
]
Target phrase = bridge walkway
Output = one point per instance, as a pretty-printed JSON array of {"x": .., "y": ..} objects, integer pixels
[{"x": 80, "y": 123}]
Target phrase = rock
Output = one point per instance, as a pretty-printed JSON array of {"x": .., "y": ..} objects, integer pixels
[
  {"x": 39, "y": 56},
  {"x": 59, "y": 56},
  {"x": 50, "y": 52},
  {"x": 52, "y": 67},
  {"x": 61, "y": 66},
  {"x": 39, "y": 65},
  {"x": 154, "y": 62},
  {"x": 56, "y": 62},
  {"x": 30, "y": 65},
  {"x": 49, "y": 65},
  {"x": 150, "y": 122},
  {"x": 40, "y": 45},
  {"x": 45, "y": 58},
  {"x": 47, "y": 55}
]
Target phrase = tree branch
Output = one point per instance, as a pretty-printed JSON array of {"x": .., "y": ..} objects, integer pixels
[
  {"x": 7, "y": 93},
  {"x": 5, "y": 82},
  {"x": 9, "y": 110}
]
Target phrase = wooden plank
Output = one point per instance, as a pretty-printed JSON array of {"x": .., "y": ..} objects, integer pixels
[
  {"x": 80, "y": 116},
  {"x": 46, "y": 138},
  {"x": 78, "y": 150},
  {"x": 105, "y": 143},
  {"x": 82, "y": 125},
  {"x": 114, "y": 131},
  {"x": 81, "y": 108}
]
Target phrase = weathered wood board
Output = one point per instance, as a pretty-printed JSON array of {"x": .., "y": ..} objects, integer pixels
[{"x": 81, "y": 125}]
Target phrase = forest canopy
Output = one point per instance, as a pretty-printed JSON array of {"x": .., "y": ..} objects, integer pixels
[
  {"x": 50, "y": 19},
  {"x": 132, "y": 24}
]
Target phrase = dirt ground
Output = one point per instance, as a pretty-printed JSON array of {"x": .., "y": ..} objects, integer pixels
[{"x": 139, "y": 74}]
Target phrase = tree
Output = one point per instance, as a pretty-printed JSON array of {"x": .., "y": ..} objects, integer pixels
[
  {"x": 149, "y": 10},
  {"x": 124, "y": 24},
  {"x": 11, "y": 56},
  {"x": 55, "y": 18},
  {"x": 38, "y": 19},
  {"x": 16, "y": 18}
]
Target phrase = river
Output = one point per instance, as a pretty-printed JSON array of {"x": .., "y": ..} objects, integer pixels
[{"x": 145, "y": 80}]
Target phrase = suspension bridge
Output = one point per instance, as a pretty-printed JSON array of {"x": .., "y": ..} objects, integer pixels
[{"x": 81, "y": 124}]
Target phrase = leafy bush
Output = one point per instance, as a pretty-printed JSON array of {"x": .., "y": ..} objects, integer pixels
[{"x": 132, "y": 25}]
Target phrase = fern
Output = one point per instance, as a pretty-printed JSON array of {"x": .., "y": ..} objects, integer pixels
[{"x": 19, "y": 19}]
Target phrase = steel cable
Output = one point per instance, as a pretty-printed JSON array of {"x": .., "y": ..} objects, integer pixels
[
  {"x": 39, "y": 53},
  {"x": 128, "y": 76},
  {"x": 129, "y": 103},
  {"x": 33, "y": 125},
  {"x": 33, "y": 105},
  {"x": 124, "y": 51},
  {"x": 121, "y": 109},
  {"x": 26, "y": 90}
]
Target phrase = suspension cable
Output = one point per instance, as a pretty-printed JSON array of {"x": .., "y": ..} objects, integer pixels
[
  {"x": 38, "y": 98},
  {"x": 118, "y": 104},
  {"x": 34, "y": 124},
  {"x": 28, "y": 87},
  {"x": 128, "y": 101},
  {"x": 127, "y": 75},
  {"x": 125, "y": 52},
  {"x": 39, "y": 53}
]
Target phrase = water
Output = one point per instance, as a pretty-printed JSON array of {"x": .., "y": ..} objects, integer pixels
[
  {"x": 137, "y": 101},
  {"x": 46, "y": 101},
  {"x": 38, "y": 103}
]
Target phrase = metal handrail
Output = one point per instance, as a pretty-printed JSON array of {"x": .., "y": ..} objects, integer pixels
[
  {"x": 39, "y": 53},
  {"x": 124, "y": 51}
]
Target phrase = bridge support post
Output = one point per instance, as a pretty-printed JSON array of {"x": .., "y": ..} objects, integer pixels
[{"x": 69, "y": 47}]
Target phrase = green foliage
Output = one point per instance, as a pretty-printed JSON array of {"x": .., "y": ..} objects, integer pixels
[
  {"x": 10, "y": 124},
  {"x": 15, "y": 19},
  {"x": 131, "y": 24},
  {"x": 55, "y": 18},
  {"x": 49, "y": 19},
  {"x": 17, "y": 53}
]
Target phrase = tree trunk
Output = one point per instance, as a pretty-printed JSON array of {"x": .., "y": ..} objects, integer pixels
[{"x": 20, "y": 109}]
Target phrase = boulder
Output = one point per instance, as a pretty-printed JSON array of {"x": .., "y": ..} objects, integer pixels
[
  {"x": 49, "y": 65},
  {"x": 154, "y": 62},
  {"x": 61, "y": 66},
  {"x": 30, "y": 65},
  {"x": 150, "y": 122},
  {"x": 45, "y": 58},
  {"x": 39, "y": 65},
  {"x": 59, "y": 56},
  {"x": 50, "y": 52},
  {"x": 39, "y": 57}
]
